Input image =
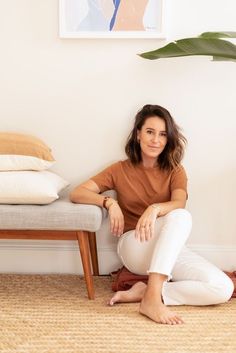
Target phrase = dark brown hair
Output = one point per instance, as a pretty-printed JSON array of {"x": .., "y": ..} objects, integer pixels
[{"x": 173, "y": 152}]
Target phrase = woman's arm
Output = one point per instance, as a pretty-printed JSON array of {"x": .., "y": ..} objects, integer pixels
[
  {"x": 88, "y": 193},
  {"x": 145, "y": 227},
  {"x": 178, "y": 200}
]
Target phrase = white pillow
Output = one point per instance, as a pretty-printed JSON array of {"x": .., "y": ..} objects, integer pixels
[
  {"x": 18, "y": 162},
  {"x": 30, "y": 187},
  {"x": 23, "y": 152}
]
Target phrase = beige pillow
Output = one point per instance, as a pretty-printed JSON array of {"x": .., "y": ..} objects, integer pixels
[
  {"x": 30, "y": 187},
  {"x": 23, "y": 152}
]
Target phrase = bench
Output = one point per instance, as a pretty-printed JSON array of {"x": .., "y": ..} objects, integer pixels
[{"x": 60, "y": 220}]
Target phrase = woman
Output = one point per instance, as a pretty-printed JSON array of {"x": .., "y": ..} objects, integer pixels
[{"x": 150, "y": 220}]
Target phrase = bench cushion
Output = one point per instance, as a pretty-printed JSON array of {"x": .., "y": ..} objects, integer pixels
[{"x": 59, "y": 215}]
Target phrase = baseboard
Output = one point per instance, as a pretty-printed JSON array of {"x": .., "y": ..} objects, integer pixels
[
  {"x": 37, "y": 256},
  {"x": 221, "y": 255},
  {"x": 50, "y": 256}
]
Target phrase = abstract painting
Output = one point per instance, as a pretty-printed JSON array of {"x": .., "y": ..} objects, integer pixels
[{"x": 111, "y": 18}]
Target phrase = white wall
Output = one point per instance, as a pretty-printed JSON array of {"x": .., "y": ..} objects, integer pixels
[{"x": 80, "y": 97}]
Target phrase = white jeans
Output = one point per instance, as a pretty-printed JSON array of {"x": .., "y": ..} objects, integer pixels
[{"x": 195, "y": 281}]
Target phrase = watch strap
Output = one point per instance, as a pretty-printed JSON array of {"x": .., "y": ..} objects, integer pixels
[{"x": 106, "y": 198}]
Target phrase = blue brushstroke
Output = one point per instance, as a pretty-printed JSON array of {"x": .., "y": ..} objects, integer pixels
[{"x": 116, "y": 4}]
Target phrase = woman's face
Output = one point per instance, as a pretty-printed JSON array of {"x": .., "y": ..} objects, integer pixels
[{"x": 152, "y": 138}]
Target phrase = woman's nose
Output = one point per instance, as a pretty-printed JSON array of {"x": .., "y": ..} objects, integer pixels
[{"x": 156, "y": 138}]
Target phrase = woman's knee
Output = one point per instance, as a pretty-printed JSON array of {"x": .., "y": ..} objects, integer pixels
[
  {"x": 125, "y": 246},
  {"x": 181, "y": 217},
  {"x": 226, "y": 289},
  {"x": 222, "y": 288},
  {"x": 180, "y": 213},
  {"x": 134, "y": 254}
]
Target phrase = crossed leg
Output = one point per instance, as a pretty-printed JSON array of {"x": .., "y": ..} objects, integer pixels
[
  {"x": 195, "y": 281},
  {"x": 157, "y": 257}
]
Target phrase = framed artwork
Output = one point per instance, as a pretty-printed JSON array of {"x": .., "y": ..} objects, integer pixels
[{"x": 111, "y": 18}]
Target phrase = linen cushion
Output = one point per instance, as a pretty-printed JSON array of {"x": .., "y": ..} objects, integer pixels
[
  {"x": 23, "y": 152},
  {"x": 30, "y": 187},
  {"x": 59, "y": 215}
]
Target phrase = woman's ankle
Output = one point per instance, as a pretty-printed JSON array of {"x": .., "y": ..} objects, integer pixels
[
  {"x": 153, "y": 291},
  {"x": 156, "y": 278}
]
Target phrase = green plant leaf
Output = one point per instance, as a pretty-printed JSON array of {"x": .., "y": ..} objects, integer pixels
[
  {"x": 217, "y": 48},
  {"x": 218, "y": 35},
  {"x": 218, "y": 58}
]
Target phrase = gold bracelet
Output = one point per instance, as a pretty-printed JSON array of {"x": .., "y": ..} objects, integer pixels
[{"x": 157, "y": 207}]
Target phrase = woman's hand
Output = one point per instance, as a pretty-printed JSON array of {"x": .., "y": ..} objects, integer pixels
[
  {"x": 145, "y": 227},
  {"x": 116, "y": 218}
]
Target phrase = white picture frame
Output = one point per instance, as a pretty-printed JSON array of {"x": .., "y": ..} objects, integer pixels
[{"x": 111, "y": 19}]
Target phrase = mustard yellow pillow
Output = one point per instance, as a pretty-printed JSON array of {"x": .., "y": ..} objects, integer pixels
[{"x": 23, "y": 152}]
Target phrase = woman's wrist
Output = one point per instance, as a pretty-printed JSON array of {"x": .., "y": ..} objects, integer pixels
[
  {"x": 157, "y": 208},
  {"x": 108, "y": 202}
]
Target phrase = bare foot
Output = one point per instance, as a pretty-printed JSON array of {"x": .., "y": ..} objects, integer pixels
[
  {"x": 158, "y": 312},
  {"x": 132, "y": 295}
]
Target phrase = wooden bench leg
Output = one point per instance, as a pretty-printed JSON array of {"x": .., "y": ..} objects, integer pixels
[
  {"x": 93, "y": 252},
  {"x": 83, "y": 240}
]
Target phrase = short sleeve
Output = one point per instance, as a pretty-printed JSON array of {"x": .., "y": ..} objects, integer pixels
[
  {"x": 105, "y": 179},
  {"x": 179, "y": 179}
]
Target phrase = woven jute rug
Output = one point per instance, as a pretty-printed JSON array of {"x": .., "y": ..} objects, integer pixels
[{"x": 51, "y": 314}]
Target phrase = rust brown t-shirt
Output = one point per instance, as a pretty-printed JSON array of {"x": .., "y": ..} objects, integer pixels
[{"x": 138, "y": 187}]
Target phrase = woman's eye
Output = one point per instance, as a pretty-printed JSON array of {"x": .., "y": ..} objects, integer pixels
[
  {"x": 163, "y": 133},
  {"x": 149, "y": 131}
]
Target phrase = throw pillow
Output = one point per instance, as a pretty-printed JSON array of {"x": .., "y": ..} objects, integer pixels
[
  {"x": 30, "y": 187},
  {"x": 23, "y": 152}
]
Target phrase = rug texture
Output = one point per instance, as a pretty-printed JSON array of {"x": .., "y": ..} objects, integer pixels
[{"x": 51, "y": 314}]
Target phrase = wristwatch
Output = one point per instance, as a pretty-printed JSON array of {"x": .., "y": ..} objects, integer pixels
[{"x": 106, "y": 198}]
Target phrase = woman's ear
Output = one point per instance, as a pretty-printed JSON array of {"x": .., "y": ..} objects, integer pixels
[{"x": 138, "y": 135}]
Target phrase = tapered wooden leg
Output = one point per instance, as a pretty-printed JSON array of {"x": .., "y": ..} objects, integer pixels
[
  {"x": 93, "y": 252},
  {"x": 83, "y": 240}
]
